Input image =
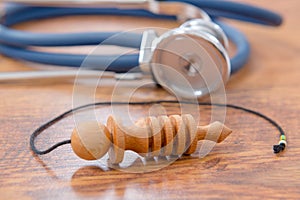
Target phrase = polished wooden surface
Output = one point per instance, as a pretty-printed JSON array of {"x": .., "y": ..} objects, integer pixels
[{"x": 243, "y": 166}]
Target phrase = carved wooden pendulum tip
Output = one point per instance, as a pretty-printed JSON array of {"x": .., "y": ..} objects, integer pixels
[
  {"x": 154, "y": 136},
  {"x": 215, "y": 131}
]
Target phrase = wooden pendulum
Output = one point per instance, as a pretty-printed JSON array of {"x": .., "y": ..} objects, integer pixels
[{"x": 152, "y": 136}]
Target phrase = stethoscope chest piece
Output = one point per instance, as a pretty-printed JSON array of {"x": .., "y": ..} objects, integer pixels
[{"x": 190, "y": 61}]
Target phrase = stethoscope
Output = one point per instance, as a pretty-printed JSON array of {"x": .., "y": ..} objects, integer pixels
[{"x": 198, "y": 47}]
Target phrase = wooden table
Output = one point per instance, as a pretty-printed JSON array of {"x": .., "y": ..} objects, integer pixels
[{"x": 243, "y": 166}]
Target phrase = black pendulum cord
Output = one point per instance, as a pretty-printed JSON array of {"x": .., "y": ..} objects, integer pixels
[{"x": 276, "y": 148}]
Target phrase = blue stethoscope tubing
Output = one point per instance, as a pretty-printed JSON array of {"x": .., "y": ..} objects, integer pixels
[{"x": 16, "y": 44}]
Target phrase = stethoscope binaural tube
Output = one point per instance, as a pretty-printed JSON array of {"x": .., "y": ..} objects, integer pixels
[{"x": 16, "y": 44}]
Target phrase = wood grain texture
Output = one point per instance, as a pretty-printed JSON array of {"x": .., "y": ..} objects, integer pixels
[{"x": 243, "y": 166}]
